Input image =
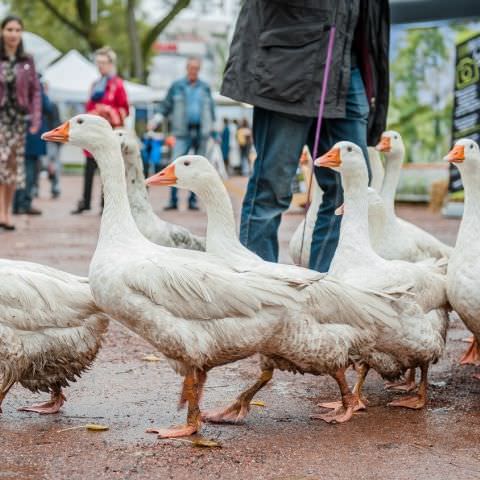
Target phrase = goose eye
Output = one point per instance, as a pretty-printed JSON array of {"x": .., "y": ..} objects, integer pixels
[
  {"x": 471, "y": 145},
  {"x": 80, "y": 121},
  {"x": 395, "y": 137},
  {"x": 349, "y": 149},
  {"x": 186, "y": 163}
]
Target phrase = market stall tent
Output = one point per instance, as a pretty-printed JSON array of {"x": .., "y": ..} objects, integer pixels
[{"x": 70, "y": 78}]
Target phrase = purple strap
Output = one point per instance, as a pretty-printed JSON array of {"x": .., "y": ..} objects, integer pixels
[{"x": 321, "y": 107}]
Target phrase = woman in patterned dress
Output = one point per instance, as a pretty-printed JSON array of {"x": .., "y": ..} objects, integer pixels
[{"x": 19, "y": 101}]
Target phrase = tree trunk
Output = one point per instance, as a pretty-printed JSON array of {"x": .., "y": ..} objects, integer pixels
[
  {"x": 155, "y": 31},
  {"x": 136, "y": 63}
]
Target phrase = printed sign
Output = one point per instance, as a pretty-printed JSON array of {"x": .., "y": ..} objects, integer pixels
[{"x": 466, "y": 105}]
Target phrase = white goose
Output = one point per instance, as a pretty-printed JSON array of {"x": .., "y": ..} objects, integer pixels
[
  {"x": 300, "y": 243},
  {"x": 301, "y": 253},
  {"x": 398, "y": 239},
  {"x": 183, "y": 303},
  {"x": 195, "y": 173},
  {"x": 50, "y": 330},
  {"x": 377, "y": 168},
  {"x": 463, "y": 275},
  {"x": 420, "y": 339},
  {"x": 152, "y": 227}
]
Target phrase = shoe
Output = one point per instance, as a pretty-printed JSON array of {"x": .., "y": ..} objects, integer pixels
[
  {"x": 193, "y": 207},
  {"x": 81, "y": 207},
  {"x": 7, "y": 227},
  {"x": 170, "y": 207},
  {"x": 55, "y": 195},
  {"x": 33, "y": 211},
  {"x": 79, "y": 210}
]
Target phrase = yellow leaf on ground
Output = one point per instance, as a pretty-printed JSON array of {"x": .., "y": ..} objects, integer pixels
[
  {"x": 205, "y": 443},
  {"x": 257, "y": 403},
  {"x": 95, "y": 427},
  {"x": 151, "y": 358}
]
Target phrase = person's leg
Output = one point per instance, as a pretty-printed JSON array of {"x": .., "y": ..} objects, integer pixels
[
  {"x": 182, "y": 146},
  {"x": 279, "y": 139},
  {"x": 54, "y": 168},
  {"x": 244, "y": 161},
  {"x": 90, "y": 168},
  {"x": 199, "y": 145},
  {"x": 354, "y": 129},
  {"x": 31, "y": 166},
  {"x": 9, "y": 192}
]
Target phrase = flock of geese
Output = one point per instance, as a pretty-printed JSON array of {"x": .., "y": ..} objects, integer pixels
[{"x": 205, "y": 302}]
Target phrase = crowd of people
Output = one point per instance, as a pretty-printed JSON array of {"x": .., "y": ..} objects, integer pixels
[
  {"x": 262, "y": 72},
  {"x": 26, "y": 112}
]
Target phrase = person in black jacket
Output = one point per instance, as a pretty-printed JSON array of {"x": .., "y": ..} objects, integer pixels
[{"x": 277, "y": 62}]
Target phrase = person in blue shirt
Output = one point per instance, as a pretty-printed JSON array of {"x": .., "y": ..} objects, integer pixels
[
  {"x": 190, "y": 107},
  {"x": 35, "y": 148},
  {"x": 225, "y": 140}
]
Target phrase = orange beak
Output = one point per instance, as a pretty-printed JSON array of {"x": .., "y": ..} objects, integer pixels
[
  {"x": 165, "y": 177},
  {"x": 59, "y": 134},
  {"x": 385, "y": 144},
  {"x": 456, "y": 154},
  {"x": 330, "y": 159}
]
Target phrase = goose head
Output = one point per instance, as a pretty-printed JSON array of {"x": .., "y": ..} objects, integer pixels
[
  {"x": 90, "y": 132},
  {"x": 347, "y": 159},
  {"x": 465, "y": 155},
  {"x": 192, "y": 172},
  {"x": 391, "y": 144},
  {"x": 130, "y": 147}
]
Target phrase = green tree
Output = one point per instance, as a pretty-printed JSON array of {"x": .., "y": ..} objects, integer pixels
[
  {"x": 417, "y": 69},
  {"x": 67, "y": 24}
]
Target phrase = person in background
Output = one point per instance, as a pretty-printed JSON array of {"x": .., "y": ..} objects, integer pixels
[
  {"x": 277, "y": 64},
  {"x": 244, "y": 140},
  {"x": 20, "y": 100},
  {"x": 53, "y": 163},
  {"x": 35, "y": 148},
  {"x": 190, "y": 106},
  {"x": 108, "y": 99},
  {"x": 225, "y": 141}
]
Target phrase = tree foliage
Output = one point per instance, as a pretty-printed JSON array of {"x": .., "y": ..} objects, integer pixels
[
  {"x": 66, "y": 24},
  {"x": 418, "y": 109}
]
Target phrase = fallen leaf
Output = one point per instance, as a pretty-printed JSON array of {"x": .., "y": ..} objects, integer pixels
[
  {"x": 205, "y": 443},
  {"x": 151, "y": 358},
  {"x": 257, "y": 403},
  {"x": 95, "y": 427},
  {"x": 199, "y": 442}
]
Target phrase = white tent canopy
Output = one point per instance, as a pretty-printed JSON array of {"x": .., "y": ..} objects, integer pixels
[
  {"x": 70, "y": 78},
  {"x": 44, "y": 53}
]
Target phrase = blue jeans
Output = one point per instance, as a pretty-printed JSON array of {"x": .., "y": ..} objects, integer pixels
[
  {"x": 279, "y": 139},
  {"x": 23, "y": 197},
  {"x": 182, "y": 146}
]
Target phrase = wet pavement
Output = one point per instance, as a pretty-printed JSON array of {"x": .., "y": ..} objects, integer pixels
[{"x": 278, "y": 441}]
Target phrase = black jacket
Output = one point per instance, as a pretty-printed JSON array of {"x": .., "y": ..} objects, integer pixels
[{"x": 278, "y": 52}]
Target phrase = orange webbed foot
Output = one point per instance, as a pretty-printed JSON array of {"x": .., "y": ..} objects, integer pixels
[
  {"x": 174, "y": 432},
  {"x": 235, "y": 413},
  {"x": 416, "y": 402}
]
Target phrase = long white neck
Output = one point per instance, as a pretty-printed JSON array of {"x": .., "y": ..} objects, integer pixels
[
  {"x": 393, "y": 167},
  {"x": 136, "y": 189},
  {"x": 376, "y": 166},
  {"x": 222, "y": 236},
  {"x": 470, "y": 226},
  {"x": 354, "y": 239},
  {"x": 117, "y": 221},
  {"x": 317, "y": 196}
]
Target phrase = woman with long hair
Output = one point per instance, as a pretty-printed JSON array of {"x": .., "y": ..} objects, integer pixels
[{"x": 19, "y": 101}]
